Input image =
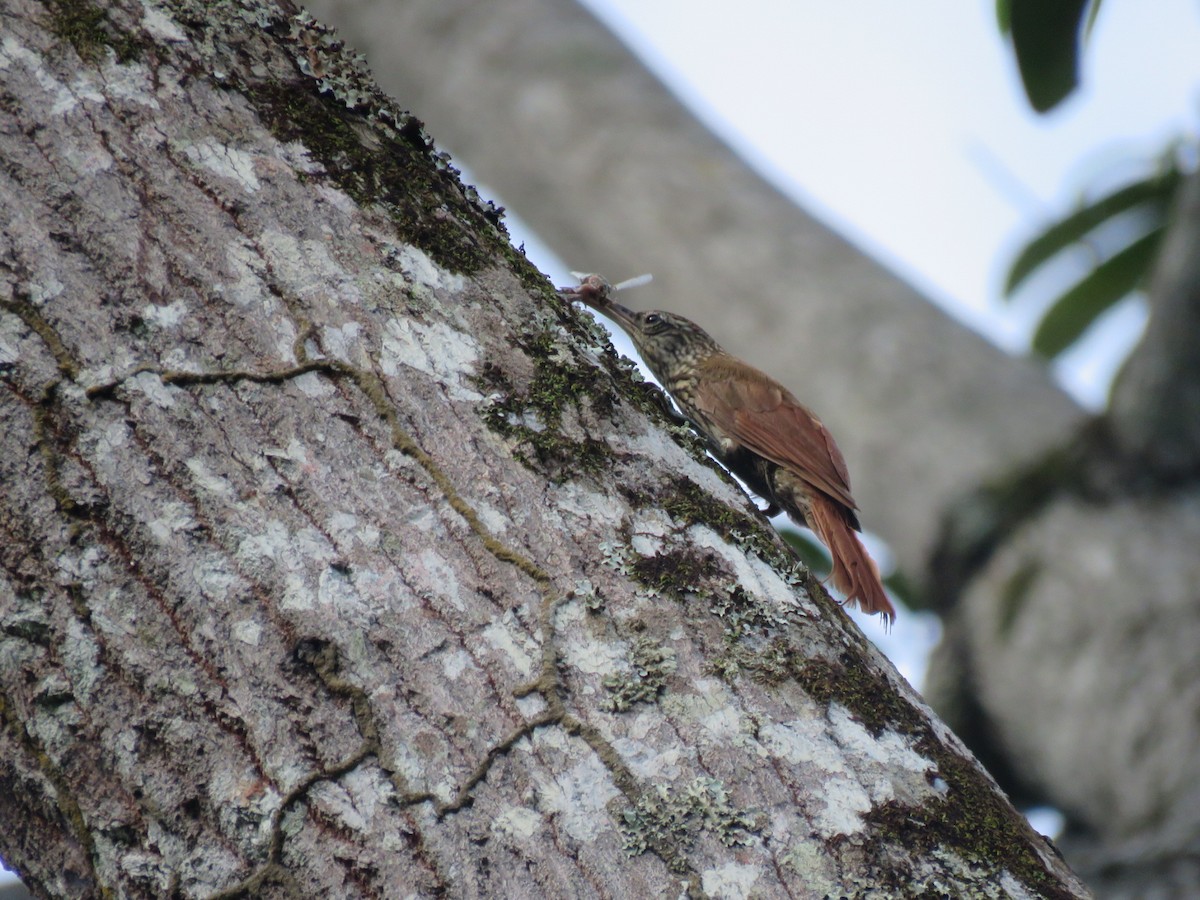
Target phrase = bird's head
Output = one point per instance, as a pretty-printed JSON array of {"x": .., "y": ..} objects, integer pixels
[{"x": 669, "y": 343}]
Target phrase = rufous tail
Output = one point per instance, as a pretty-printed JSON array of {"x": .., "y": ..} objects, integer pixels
[{"x": 854, "y": 572}]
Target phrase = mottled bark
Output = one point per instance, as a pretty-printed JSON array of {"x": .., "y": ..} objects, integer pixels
[
  {"x": 1068, "y": 676},
  {"x": 340, "y": 558}
]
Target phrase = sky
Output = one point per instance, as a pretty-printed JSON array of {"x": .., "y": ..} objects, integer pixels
[{"x": 904, "y": 127}]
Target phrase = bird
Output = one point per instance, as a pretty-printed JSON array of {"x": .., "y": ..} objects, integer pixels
[{"x": 758, "y": 430}]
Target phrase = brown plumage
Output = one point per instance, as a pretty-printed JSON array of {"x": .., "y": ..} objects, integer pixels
[{"x": 760, "y": 431}]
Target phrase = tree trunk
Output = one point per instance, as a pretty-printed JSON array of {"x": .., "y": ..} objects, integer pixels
[
  {"x": 1066, "y": 572},
  {"x": 342, "y": 558}
]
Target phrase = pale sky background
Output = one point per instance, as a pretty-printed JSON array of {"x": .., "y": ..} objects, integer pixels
[{"x": 903, "y": 126}]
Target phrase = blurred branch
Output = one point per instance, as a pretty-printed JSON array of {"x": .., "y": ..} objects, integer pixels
[{"x": 1155, "y": 410}]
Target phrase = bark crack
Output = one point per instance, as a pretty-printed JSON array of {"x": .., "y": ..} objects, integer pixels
[{"x": 548, "y": 684}]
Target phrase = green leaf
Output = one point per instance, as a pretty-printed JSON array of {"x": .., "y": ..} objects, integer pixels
[
  {"x": 1046, "y": 39},
  {"x": 1112, "y": 280},
  {"x": 1155, "y": 192},
  {"x": 1004, "y": 16}
]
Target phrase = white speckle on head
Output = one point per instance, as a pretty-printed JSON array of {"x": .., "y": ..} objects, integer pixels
[
  {"x": 517, "y": 821},
  {"x": 165, "y": 316},
  {"x": 579, "y": 795},
  {"x": 223, "y": 160},
  {"x": 435, "y": 349},
  {"x": 732, "y": 881},
  {"x": 247, "y": 631}
]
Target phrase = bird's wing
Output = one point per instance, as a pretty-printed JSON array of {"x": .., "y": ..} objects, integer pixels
[{"x": 760, "y": 414}]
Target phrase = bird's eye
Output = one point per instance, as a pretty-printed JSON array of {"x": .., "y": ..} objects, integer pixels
[{"x": 653, "y": 319}]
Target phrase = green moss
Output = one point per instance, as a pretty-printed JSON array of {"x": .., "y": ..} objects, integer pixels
[
  {"x": 770, "y": 664},
  {"x": 650, "y": 666},
  {"x": 675, "y": 818},
  {"x": 743, "y": 612},
  {"x": 391, "y": 170},
  {"x": 974, "y": 820},
  {"x": 532, "y": 417},
  {"x": 872, "y": 701},
  {"x": 971, "y": 820},
  {"x": 678, "y": 571},
  {"x": 689, "y": 504},
  {"x": 85, "y": 27}
]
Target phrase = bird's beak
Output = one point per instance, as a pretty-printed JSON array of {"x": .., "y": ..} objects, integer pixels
[
  {"x": 596, "y": 293},
  {"x": 622, "y": 315}
]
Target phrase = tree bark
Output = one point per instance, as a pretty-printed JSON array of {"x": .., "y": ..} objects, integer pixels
[
  {"x": 1063, "y": 572},
  {"x": 342, "y": 558}
]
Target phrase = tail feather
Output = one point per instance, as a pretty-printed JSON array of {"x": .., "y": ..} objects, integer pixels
[{"x": 854, "y": 572}]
